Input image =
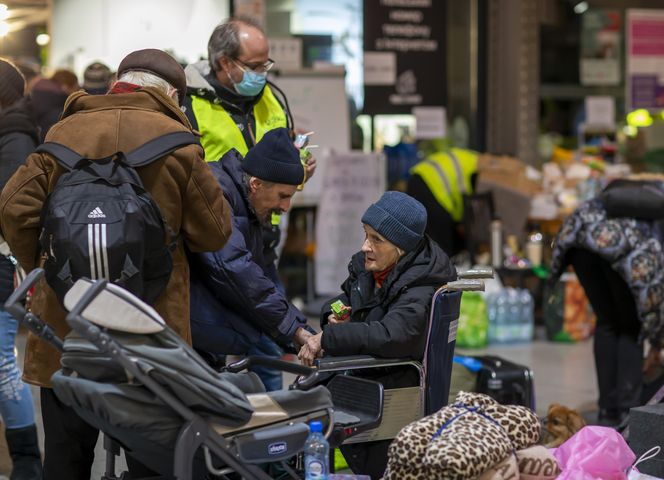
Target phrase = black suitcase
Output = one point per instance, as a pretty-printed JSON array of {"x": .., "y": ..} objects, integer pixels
[{"x": 505, "y": 381}]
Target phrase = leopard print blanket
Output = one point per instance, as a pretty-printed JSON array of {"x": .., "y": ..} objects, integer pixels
[{"x": 461, "y": 441}]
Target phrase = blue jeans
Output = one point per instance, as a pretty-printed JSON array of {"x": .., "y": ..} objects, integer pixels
[
  {"x": 16, "y": 406},
  {"x": 271, "y": 378}
]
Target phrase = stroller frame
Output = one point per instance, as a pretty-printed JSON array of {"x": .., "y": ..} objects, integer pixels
[{"x": 195, "y": 432}]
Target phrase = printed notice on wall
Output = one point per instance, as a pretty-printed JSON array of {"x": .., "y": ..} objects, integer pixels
[
  {"x": 601, "y": 40},
  {"x": 352, "y": 182},
  {"x": 645, "y": 59},
  {"x": 430, "y": 122},
  {"x": 600, "y": 111},
  {"x": 380, "y": 68},
  {"x": 404, "y": 55}
]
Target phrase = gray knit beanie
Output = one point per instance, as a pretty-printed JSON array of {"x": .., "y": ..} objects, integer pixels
[{"x": 399, "y": 218}]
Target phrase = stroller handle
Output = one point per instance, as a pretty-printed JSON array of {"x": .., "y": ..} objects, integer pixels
[
  {"x": 14, "y": 303},
  {"x": 90, "y": 294}
]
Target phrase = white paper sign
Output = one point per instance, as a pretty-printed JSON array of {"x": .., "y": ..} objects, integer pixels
[
  {"x": 352, "y": 182},
  {"x": 380, "y": 68},
  {"x": 430, "y": 122},
  {"x": 286, "y": 52},
  {"x": 600, "y": 110}
]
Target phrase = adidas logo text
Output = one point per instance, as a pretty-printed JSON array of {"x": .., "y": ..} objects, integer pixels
[{"x": 96, "y": 213}]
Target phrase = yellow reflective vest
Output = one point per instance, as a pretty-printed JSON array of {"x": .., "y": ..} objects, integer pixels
[
  {"x": 219, "y": 133},
  {"x": 448, "y": 177}
]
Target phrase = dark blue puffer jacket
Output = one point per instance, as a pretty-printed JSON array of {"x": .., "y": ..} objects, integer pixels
[{"x": 234, "y": 294}]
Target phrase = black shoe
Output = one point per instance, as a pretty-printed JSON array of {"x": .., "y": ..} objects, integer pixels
[{"x": 24, "y": 451}]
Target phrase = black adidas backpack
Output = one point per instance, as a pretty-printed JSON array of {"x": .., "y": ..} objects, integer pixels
[{"x": 100, "y": 222}]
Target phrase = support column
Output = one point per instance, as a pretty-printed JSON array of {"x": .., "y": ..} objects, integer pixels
[{"x": 513, "y": 79}]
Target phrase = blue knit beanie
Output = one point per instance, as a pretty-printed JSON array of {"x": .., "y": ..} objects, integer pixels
[
  {"x": 399, "y": 218},
  {"x": 275, "y": 159}
]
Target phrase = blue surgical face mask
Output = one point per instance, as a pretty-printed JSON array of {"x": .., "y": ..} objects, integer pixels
[{"x": 251, "y": 84}]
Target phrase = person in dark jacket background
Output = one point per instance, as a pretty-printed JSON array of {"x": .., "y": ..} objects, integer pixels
[
  {"x": 389, "y": 289},
  {"x": 235, "y": 296},
  {"x": 19, "y": 136}
]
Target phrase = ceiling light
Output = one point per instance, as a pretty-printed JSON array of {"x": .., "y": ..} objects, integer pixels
[
  {"x": 4, "y": 28},
  {"x": 580, "y": 7},
  {"x": 4, "y": 11},
  {"x": 43, "y": 39}
]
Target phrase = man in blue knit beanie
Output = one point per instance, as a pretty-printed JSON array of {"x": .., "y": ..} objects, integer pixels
[{"x": 235, "y": 293}]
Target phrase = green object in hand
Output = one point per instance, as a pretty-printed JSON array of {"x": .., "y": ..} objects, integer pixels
[{"x": 340, "y": 310}]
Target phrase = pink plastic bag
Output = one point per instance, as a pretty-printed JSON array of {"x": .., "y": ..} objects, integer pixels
[{"x": 594, "y": 453}]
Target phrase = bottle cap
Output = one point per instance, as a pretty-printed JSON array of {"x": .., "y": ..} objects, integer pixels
[{"x": 316, "y": 427}]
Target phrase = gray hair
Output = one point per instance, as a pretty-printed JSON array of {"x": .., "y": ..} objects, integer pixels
[
  {"x": 147, "y": 79},
  {"x": 246, "y": 178},
  {"x": 225, "y": 39}
]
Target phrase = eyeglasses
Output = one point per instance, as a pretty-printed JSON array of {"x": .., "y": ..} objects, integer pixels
[{"x": 258, "y": 68}]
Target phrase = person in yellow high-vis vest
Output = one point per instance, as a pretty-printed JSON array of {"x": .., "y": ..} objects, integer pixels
[
  {"x": 439, "y": 182},
  {"x": 231, "y": 103}
]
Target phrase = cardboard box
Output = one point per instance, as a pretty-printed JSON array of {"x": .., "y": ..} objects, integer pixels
[{"x": 507, "y": 172}]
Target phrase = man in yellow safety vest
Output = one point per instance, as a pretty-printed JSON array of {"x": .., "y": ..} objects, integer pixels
[
  {"x": 439, "y": 182},
  {"x": 231, "y": 103}
]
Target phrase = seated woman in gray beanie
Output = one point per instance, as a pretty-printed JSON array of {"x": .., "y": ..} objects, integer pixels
[{"x": 389, "y": 288}]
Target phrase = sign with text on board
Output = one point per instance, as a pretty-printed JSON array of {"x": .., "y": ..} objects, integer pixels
[
  {"x": 404, "y": 55},
  {"x": 645, "y": 59},
  {"x": 352, "y": 182}
]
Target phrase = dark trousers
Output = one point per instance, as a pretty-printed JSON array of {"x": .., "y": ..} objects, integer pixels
[
  {"x": 69, "y": 443},
  {"x": 367, "y": 458},
  {"x": 618, "y": 353}
]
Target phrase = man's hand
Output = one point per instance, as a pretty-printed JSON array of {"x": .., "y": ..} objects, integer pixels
[
  {"x": 301, "y": 336},
  {"x": 311, "y": 350},
  {"x": 652, "y": 362},
  {"x": 310, "y": 168}
]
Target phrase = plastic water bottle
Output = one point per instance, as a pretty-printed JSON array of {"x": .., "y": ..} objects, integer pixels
[
  {"x": 501, "y": 317},
  {"x": 527, "y": 315},
  {"x": 514, "y": 308},
  {"x": 490, "y": 299},
  {"x": 316, "y": 454}
]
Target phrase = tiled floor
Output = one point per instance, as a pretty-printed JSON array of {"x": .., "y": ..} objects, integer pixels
[{"x": 563, "y": 373}]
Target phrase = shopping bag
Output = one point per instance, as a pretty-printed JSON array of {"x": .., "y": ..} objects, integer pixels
[
  {"x": 473, "y": 321},
  {"x": 594, "y": 453},
  {"x": 568, "y": 316}
]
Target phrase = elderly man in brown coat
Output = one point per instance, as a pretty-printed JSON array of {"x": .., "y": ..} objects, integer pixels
[{"x": 141, "y": 106}]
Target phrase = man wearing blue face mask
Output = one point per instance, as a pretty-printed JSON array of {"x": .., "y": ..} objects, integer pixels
[
  {"x": 231, "y": 103},
  {"x": 229, "y": 100}
]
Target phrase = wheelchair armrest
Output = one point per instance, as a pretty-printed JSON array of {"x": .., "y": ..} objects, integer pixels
[
  {"x": 245, "y": 363},
  {"x": 354, "y": 362}
]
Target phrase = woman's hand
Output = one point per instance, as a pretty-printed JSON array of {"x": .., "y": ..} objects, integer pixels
[{"x": 332, "y": 318}]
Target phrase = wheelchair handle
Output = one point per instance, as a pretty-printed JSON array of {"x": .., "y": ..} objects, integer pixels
[
  {"x": 465, "y": 286},
  {"x": 13, "y": 304},
  {"x": 249, "y": 361},
  {"x": 478, "y": 272}
]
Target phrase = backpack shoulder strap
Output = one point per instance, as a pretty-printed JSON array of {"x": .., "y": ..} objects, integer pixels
[
  {"x": 65, "y": 156},
  {"x": 158, "y": 147}
]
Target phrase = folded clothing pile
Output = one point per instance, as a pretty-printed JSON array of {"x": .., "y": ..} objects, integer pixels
[{"x": 461, "y": 441}]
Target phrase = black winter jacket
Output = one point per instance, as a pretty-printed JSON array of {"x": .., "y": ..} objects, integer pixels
[
  {"x": 390, "y": 322},
  {"x": 234, "y": 292},
  {"x": 19, "y": 136}
]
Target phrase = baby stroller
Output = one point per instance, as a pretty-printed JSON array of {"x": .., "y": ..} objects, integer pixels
[{"x": 128, "y": 374}]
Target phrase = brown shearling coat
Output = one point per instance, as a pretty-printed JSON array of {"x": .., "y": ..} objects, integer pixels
[{"x": 187, "y": 193}]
